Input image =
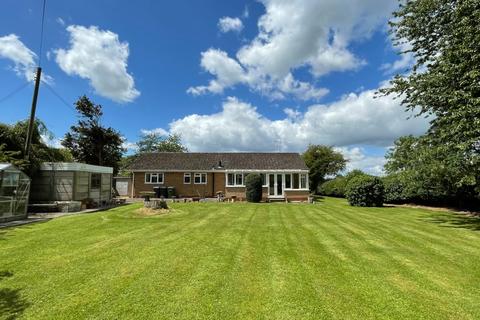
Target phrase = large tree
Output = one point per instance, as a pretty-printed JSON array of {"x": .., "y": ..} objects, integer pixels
[
  {"x": 89, "y": 141},
  {"x": 322, "y": 161},
  {"x": 444, "y": 83},
  {"x": 153, "y": 142},
  {"x": 12, "y": 144}
]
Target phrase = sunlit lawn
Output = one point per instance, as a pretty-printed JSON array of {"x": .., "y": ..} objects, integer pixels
[{"x": 244, "y": 261}]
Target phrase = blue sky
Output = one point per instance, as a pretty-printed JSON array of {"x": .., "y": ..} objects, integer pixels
[{"x": 269, "y": 75}]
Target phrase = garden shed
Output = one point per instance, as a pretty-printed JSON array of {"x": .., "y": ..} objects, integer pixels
[
  {"x": 71, "y": 181},
  {"x": 14, "y": 192}
]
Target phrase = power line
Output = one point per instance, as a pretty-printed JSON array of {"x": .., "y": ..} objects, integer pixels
[
  {"x": 41, "y": 35},
  {"x": 14, "y": 92},
  {"x": 58, "y": 96}
]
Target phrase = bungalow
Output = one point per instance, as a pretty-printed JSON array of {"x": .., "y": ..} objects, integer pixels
[{"x": 284, "y": 175}]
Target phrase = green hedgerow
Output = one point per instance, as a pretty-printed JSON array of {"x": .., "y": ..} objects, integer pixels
[{"x": 365, "y": 191}]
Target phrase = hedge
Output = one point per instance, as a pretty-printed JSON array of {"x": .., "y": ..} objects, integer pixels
[{"x": 365, "y": 191}]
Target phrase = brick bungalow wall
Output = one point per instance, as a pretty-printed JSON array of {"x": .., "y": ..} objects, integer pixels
[{"x": 215, "y": 182}]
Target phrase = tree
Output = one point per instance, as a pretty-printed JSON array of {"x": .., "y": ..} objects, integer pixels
[
  {"x": 253, "y": 187},
  {"x": 13, "y": 144},
  {"x": 153, "y": 142},
  {"x": 89, "y": 141},
  {"x": 444, "y": 82},
  {"x": 322, "y": 161}
]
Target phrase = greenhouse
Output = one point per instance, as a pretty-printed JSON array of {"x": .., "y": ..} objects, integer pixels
[{"x": 14, "y": 192}]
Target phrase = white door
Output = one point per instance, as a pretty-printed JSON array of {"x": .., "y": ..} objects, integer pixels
[
  {"x": 275, "y": 185},
  {"x": 122, "y": 187}
]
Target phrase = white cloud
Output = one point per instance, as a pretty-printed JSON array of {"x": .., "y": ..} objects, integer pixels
[
  {"x": 355, "y": 119},
  {"x": 51, "y": 141},
  {"x": 23, "y": 58},
  {"x": 405, "y": 62},
  {"x": 99, "y": 56},
  {"x": 130, "y": 146},
  {"x": 227, "y": 24},
  {"x": 303, "y": 33},
  {"x": 358, "y": 159},
  {"x": 156, "y": 131},
  {"x": 228, "y": 72}
]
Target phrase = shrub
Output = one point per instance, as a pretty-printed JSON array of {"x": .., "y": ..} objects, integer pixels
[
  {"x": 334, "y": 187},
  {"x": 395, "y": 189},
  {"x": 253, "y": 187},
  {"x": 365, "y": 191}
]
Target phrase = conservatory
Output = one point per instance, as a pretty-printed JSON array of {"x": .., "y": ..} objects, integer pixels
[{"x": 14, "y": 192}]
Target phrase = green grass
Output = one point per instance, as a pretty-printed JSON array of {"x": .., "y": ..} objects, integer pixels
[{"x": 244, "y": 261}]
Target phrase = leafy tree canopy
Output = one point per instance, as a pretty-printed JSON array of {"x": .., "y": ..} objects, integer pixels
[
  {"x": 444, "y": 83},
  {"x": 153, "y": 142},
  {"x": 89, "y": 141},
  {"x": 12, "y": 146},
  {"x": 322, "y": 161}
]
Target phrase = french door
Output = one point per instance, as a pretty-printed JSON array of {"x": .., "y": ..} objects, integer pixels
[{"x": 275, "y": 185}]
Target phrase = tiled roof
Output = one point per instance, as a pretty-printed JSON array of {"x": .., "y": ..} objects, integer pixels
[{"x": 209, "y": 161}]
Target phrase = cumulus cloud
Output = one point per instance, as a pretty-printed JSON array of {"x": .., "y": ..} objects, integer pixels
[
  {"x": 405, "y": 62},
  {"x": 303, "y": 33},
  {"x": 99, "y": 56},
  {"x": 228, "y": 72},
  {"x": 358, "y": 159},
  {"x": 355, "y": 119},
  {"x": 227, "y": 24},
  {"x": 156, "y": 131},
  {"x": 13, "y": 49},
  {"x": 51, "y": 141}
]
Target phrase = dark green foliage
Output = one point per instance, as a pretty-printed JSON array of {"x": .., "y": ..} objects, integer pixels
[
  {"x": 153, "y": 142},
  {"x": 163, "y": 204},
  {"x": 443, "y": 165},
  {"x": 396, "y": 189},
  {"x": 90, "y": 142},
  {"x": 337, "y": 187},
  {"x": 253, "y": 187},
  {"x": 322, "y": 161},
  {"x": 365, "y": 191},
  {"x": 12, "y": 146},
  {"x": 334, "y": 188}
]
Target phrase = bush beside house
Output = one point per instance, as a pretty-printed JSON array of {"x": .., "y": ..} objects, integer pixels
[{"x": 253, "y": 187}]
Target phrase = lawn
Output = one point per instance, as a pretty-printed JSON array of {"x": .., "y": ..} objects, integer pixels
[{"x": 244, "y": 261}]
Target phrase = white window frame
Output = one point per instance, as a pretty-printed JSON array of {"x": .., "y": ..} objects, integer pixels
[
  {"x": 300, "y": 175},
  {"x": 300, "y": 181},
  {"x": 201, "y": 175},
  {"x": 157, "y": 174},
  {"x": 264, "y": 182},
  {"x": 189, "y": 176},
  {"x": 235, "y": 174}
]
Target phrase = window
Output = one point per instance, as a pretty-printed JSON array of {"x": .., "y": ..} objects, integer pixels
[
  {"x": 230, "y": 179},
  {"x": 303, "y": 181},
  {"x": 154, "y": 178},
  {"x": 264, "y": 179},
  {"x": 187, "y": 178},
  {"x": 95, "y": 180},
  {"x": 296, "y": 181},
  {"x": 288, "y": 181},
  {"x": 200, "y": 178},
  {"x": 235, "y": 179},
  {"x": 239, "y": 179}
]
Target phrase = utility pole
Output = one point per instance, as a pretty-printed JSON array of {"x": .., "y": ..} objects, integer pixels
[{"x": 28, "y": 141}]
